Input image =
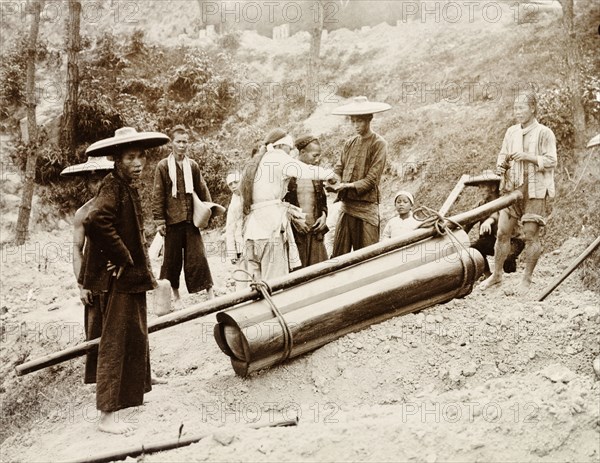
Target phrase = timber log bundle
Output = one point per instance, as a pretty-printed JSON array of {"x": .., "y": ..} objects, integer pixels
[{"x": 318, "y": 311}]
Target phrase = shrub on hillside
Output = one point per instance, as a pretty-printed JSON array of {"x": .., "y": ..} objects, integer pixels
[
  {"x": 555, "y": 112},
  {"x": 230, "y": 41},
  {"x": 13, "y": 67},
  {"x": 200, "y": 93}
]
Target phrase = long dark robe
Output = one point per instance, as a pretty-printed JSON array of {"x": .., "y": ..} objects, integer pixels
[{"x": 114, "y": 227}]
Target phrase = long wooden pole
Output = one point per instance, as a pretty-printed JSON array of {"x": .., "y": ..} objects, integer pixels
[
  {"x": 169, "y": 445},
  {"x": 293, "y": 279},
  {"x": 584, "y": 255},
  {"x": 454, "y": 194}
]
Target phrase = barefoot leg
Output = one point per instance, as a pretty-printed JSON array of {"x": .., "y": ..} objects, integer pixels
[
  {"x": 506, "y": 225},
  {"x": 110, "y": 423},
  {"x": 531, "y": 254},
  {"x": 176, "y": 295},
  {"x": 155, "y": 380}
]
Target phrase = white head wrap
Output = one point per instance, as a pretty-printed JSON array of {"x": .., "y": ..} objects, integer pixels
[
  {"x": 287, "y": 140},
  {"x": 409, "y": 195}
]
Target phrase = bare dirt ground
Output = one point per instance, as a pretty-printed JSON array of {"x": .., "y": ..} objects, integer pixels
[{"x": 486, "y": 378}]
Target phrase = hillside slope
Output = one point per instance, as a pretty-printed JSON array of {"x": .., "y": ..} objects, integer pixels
[{"x": 484, "y": 378}]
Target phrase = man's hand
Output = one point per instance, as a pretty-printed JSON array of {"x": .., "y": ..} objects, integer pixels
[
  {"x": 110, "y": 267},
  {"x": 524, "y": 157},
  {"x": 320, "y": 224},
  {"x": 342, "y": 186},
  {"x": 116, "y": 271},
  {"x": 486, "y": 227},
  {"x": 85, "y": 295},
  {"x": 162, "y": 229},
  {"x": 500, "y": 170},
  {"x": 300, "y": 226}
]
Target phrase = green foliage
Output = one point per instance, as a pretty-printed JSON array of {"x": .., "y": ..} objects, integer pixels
[
  {"x": 108, "y": 54},
  {"x": 136, "y": 42},
  {"x": 230, "y": 42},
  {"x": 554, "y": 110},
  {"x": 200, "y": 93},
  {"x": 127, "y": 82},
  {"x": 13, "y": 67}
]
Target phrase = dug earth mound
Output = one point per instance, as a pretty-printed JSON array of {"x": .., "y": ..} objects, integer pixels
[{"x": 485, "y": 378}]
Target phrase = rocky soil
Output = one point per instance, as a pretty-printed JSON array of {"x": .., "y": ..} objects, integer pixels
[{"x": 486, "y": 378}]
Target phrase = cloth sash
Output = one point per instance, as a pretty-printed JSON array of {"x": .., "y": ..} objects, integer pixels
[
  {"x": 363, "y": 210},
  {"x": 187, "y": 174},
  {"x": 515, "y": 175},
  {"x": 272, "y": 208}
]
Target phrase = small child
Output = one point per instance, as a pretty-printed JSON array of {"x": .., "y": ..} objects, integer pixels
[
  {"x": 234, "y": 222},
  {"x": 405, "y": 222}
]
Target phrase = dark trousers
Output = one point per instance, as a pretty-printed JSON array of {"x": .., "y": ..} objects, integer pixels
[
  {"x": 352, "y": 233},
  {"x": 93, "y": 329},
  {"x": 485, "y": 245},
  {"x": 123, "y": 374},
  {"x": 184, "y": 247},
  {"x": 311, "y": 248}
]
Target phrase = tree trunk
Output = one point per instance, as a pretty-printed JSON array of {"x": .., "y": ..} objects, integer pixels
[
  {"x": 67, "y": 123},
  {"x": 573, "y": 56},
  {"x": 314, "y": 60},
  {"x": 28, "y": 184}
]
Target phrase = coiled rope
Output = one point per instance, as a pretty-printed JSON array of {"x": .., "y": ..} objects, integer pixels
[
  {"x": 432, "y": 218},
  {"x": 263, "y": 288}
]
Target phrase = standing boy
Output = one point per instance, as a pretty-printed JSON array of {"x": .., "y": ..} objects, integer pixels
[
  {"x": 404, "y": 222},
  {"x": 175, "y": 179},
  {"x": 234, "y": 233}
]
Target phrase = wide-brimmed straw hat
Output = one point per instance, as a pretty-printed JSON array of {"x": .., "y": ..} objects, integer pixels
[
  {"x": 487, "y": 176},
  {"x": 360, "y": 106},
  {"x": 204, "y": 210},
  {"x": 594, "y": 141},
  {"x": 93, "y": 164},
  {"x": 127, "y": 136}
]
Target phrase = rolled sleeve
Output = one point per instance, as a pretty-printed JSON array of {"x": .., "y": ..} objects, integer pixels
[
  {"x": 548, "y": 157},
  {"x": 375, "y": 171},
  {"x": 158, "y": 196}
]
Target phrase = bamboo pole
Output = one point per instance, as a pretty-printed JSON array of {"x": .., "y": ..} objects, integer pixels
[
  {"x": 584, "y": 255},
  {"x": 293, "y": 279},
  {"x": 147, "y": 449}
]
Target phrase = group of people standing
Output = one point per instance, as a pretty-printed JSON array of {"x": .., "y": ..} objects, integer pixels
[
  {"x": 277, "y": 221},
  {"x": 283, "y": 198}
]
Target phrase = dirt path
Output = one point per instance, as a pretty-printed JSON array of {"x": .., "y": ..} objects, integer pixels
[{"x": 485, "y": 378}]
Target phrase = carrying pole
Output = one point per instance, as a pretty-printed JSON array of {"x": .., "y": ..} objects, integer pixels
[{"x": 136, "y": 451}]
